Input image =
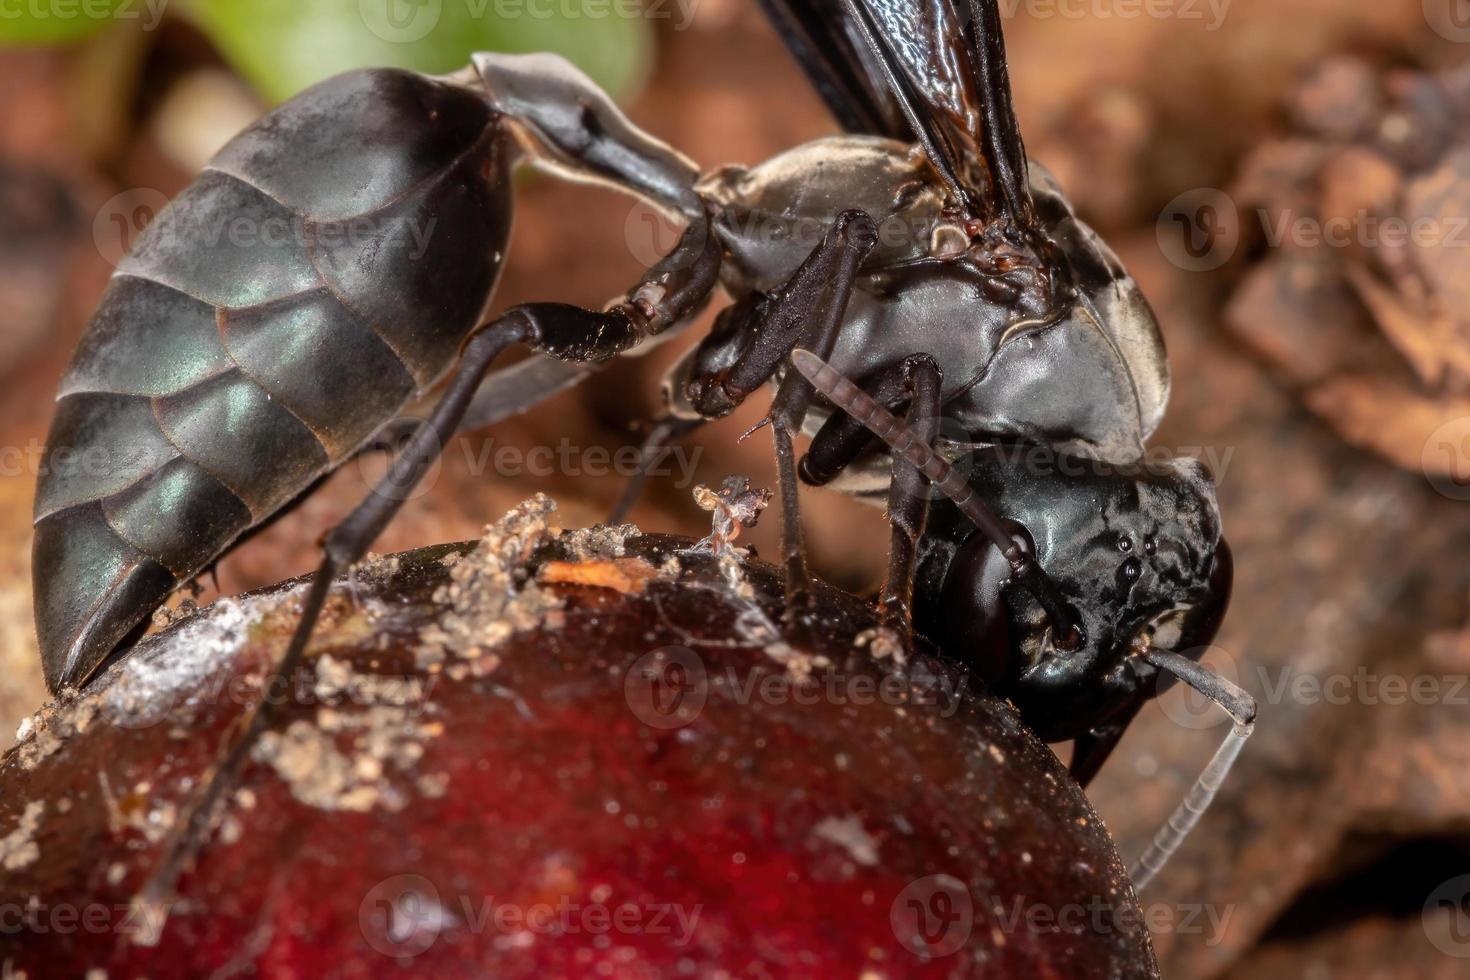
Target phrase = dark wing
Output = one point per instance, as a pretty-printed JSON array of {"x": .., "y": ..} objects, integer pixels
[
  {"x": 825, "y": 40},
  {"x": 931, "y": 71}
]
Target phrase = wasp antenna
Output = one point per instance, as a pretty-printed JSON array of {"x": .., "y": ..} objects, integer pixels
[
  {"x": 918, "y": 454},
  {"x": 1241, "y": 708}
]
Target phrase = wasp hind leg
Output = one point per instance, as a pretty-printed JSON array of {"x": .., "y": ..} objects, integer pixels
[
  {"x": 561, "y": 331},
  {"x": 566, "y": 124}
]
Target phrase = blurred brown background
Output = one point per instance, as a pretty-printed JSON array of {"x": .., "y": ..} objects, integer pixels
[{"x": 1335, "y": 849}]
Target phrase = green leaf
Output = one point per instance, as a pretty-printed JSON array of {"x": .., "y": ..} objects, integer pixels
[
  {"x": 283, "y": 46},
  {"x": 37, "y": 22}
]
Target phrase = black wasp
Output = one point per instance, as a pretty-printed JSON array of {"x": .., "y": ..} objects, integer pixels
[{"x": 223, "y": 376}]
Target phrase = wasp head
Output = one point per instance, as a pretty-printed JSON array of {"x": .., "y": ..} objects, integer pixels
[{"x": 1138, "y": 558}]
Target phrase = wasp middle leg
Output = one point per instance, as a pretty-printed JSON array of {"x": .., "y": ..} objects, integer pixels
[{"x": 914, "y": 383}]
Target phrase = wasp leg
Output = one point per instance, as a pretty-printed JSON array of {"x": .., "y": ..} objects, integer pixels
[
  {"x": 567, "y": 125},
  {"x": 723, "y": 345},
  {"x": 908, "y": 499},
  {"x": 549, "y": 328},
  {"x": 842, "y": 439},
  {"x": 1091, "y": 750},
  {"x": 666, "y": 430},
  {"x": 853, "y": 236},
  {"x": 1026, "y": 572},
  {"x": 660, "y": 304},
  {"x": 670, "y": 294},
  {"x": 793, "y": 547},
  {"x": 915, "y": 383},
  {"x": 752, "y": 344}
]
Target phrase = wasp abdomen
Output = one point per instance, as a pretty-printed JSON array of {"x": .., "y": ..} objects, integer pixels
[
  {"x": 325, "y": 268},
  {"x": 280, "y": 347}
]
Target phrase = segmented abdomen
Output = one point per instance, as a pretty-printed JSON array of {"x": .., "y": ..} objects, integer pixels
[{"x": 324, "y": 269}]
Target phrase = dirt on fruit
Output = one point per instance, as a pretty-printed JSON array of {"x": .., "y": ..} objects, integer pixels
[
  {"x": 488, "y": 595},
  {"x": 44, "y": 732},
  {"x": 351, "y": 759},
  {"x": 18, "y": 848},
  {"x": 626, "y": 575}
]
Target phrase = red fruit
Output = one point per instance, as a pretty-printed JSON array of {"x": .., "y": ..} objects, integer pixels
[{"x": 619, "y": 769}]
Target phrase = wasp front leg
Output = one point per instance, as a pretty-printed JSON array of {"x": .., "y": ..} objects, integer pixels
[
  {"x": 751, "y": 344},
  {"x": 1092, "y": 748},
  {"x": 666, "y": 430}
]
